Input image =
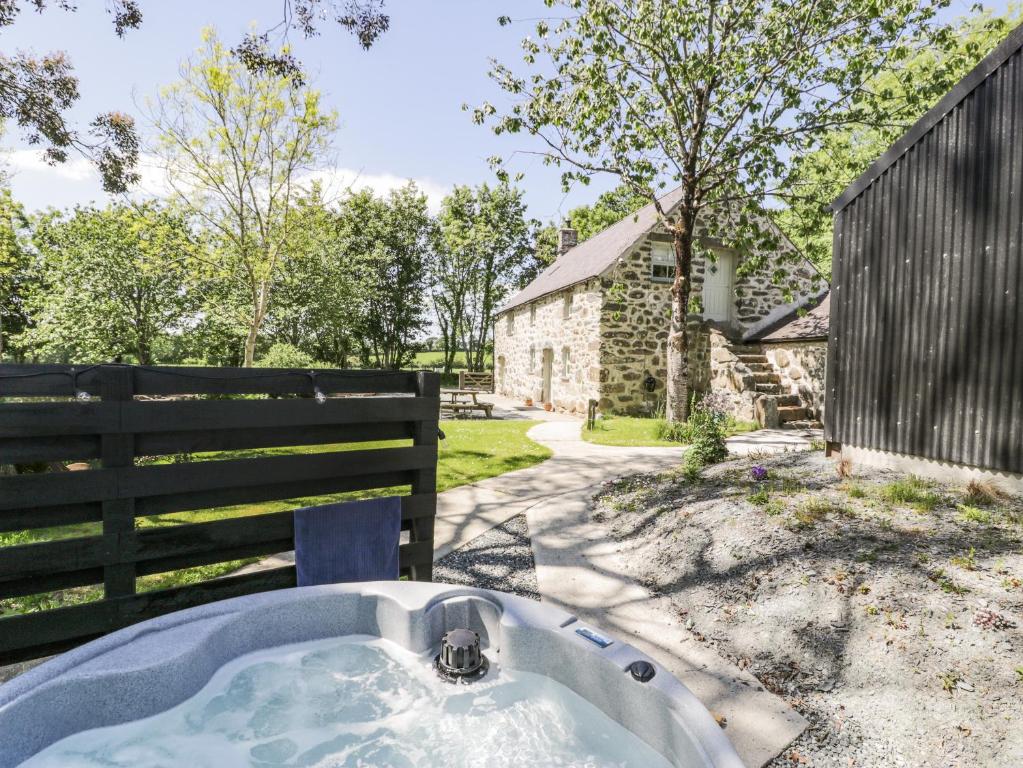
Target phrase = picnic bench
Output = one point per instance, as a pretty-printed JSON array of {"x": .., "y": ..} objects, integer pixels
[{"x": 458, "y": 401}]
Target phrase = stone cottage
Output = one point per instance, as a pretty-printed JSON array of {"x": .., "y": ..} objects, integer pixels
[{"x": 593, "y": 325}]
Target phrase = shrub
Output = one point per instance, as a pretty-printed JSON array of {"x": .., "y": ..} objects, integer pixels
[
  {"x": 282, "y": 355},
  {"x": 982, "y": 493},
  {"x": 974, "y": 514},
  {"x": 912, "y": 491}
]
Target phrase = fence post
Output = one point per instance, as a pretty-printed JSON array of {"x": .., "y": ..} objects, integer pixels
[
  {"x": 117, "y": 451},
  {"x": 424, "y": 481}
]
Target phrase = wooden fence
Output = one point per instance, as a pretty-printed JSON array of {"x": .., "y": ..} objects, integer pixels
[{"x": 123, "y": 413}]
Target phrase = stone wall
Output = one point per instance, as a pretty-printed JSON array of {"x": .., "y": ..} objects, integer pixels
[
  {"x": 545, "y": 324},
  {"x": 801, "y": 365},
  {"x": 636, "y": 316}
]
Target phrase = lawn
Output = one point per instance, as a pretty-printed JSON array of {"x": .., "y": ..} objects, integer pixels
[
  {"x": 637, "y": 431},
  {"x": 472, "y": 450},
  {"x": 436, "y": 360}
]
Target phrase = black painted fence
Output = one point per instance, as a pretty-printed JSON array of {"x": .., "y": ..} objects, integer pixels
[{"x": 134, "y": 412}]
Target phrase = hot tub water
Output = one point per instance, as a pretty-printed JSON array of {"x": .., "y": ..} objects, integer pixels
[{"x": 361, "y": 701}]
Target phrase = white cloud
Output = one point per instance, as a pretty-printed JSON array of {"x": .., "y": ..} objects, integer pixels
[
  {"x": 37, "y": 184},
  {"x": 337, "y": 181}
]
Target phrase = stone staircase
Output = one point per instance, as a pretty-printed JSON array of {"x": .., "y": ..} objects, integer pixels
[{"x": 792, "y": 412}]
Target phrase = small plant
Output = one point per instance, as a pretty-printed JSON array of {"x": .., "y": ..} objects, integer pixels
[
  {"x": 817, "y": 445},
  {"x": 974, "y": 514},
  {"x": 844, "y": 468},
  {"x": 949, "y": 680},
  {"x": 758, "y": 473},
  {"x": 988, "y": 619},
  {"x": 774, "y": 508},
  {"x": 856, "y": 491},
  {"x": 911, "y": 491},
  {"x": 1019, "y": 674},
  {"x": 1010, "y": 583},
  {"x": 760, "y": 497},
  {"x": 967, "y": 562},
  {"x": 982, "y": 493},
  {"x": 950, "y": 621},
  {"x": 895, "y": 621},
  {"x": 946, "y": 584},
  {"x": 872, "y": 610},
  {"x": 864, "y": 589}
]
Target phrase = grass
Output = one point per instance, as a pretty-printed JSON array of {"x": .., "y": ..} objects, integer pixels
[
  {"x": 642, "y": 431},
  {"x": 436, "y": 360},
  {"x": 974, "y": 514},
  {"x": 472, "y": 451},
  {"x": 911, "y": 491}
]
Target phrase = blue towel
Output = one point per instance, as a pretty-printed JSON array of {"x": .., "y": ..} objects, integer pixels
[{"x": 349, "y": 541}]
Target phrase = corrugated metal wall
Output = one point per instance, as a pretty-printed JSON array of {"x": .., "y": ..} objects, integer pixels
[{"x": 926, "y": 348}]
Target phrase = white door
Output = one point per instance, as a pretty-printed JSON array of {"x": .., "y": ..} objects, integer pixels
[{"x": 719, "y": 287}]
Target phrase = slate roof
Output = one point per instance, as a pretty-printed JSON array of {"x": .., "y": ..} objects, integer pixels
[
  {"x": 594, "y": 256},
  {"x": 813, "y": 326}
]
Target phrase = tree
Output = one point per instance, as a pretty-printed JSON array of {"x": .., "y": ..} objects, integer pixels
[
  {"x": 896, "y": 98},
  {"x": 113, "y": 282},
  {"x": 36, "y": 92},
  {"x": 486, "y": 240},
  {"x": 610, "y": 207},
  {"x": 388, "y": 244},
  {"x": 320, "y": 293},
  {"x": 16, "y": 272},
  {"x": 705, "y": 96},
  {"x": 233, "y": 143},
  {"x": 543, "y": 254}
]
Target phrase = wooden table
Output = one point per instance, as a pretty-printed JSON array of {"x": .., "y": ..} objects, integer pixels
[{"x": 459, "y": 401}]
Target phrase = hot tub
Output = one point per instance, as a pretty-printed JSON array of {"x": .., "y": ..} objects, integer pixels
[{"x": 346, "y": 675}]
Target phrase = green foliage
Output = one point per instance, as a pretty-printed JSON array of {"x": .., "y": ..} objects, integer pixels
[
  {"x": 281, "y": 355},
  {"x": 18, "y": 274},
  {"x": 609, "y": 208},
  {"x": 113, "y": 283},
  {"x": 706, "y": 438},
  {"x": 485, "y": 241},
  {"x": 895, "y": 97},
  {"x": 974, "y": 514},
  {"x": 912, "y": 491},
  {"x": 233, "y": 142}
]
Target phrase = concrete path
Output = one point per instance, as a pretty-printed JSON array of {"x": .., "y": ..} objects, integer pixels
[{"x": 580, "y": 570}]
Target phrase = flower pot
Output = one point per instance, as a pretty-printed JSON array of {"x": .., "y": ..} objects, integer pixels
[
  {"x": 548, "y": 406},
  {"x": 529, "y": 402}
]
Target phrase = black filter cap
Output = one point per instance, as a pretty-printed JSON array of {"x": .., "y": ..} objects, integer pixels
[
  {"x": 460, "y": 658},
  {"x": 643, "y": 671}
]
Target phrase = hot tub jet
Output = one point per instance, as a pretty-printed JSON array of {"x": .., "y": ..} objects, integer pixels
[{"x": 460, "y": 659}]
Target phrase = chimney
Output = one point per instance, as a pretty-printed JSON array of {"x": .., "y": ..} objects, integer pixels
[{"x": 567, "y": 238}]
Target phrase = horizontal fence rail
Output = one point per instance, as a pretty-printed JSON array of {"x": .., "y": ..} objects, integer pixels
[{"x": 143, "y": 442}]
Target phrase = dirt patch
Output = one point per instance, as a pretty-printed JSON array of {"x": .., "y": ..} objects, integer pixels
[{"x": 886, "y": 609}]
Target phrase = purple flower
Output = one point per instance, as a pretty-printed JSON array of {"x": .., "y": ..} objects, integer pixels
[{"x": 758, "y": 473}]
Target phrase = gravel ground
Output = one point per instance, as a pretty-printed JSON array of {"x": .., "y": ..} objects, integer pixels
[
  {"x": 499, "y": 559},
  {"x": 885, "y": 609}
]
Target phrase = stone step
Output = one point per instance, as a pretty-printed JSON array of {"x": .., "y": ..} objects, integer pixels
[
  {"x": 747, "y": 359},
  {"x": 767, "y": 378},
  {"x": 792, "y": 413},
  {"x": 769, "y": 389},
  {"x": 759, "y": 367},
  {"x": 745, "y": 349},
  {"x": 784, "y": 400},
  {"x": 802, "y": 424}
]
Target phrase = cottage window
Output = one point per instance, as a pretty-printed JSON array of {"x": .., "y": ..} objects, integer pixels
[
  {"x": 565, "y": 358},
  {"x": 532, "y": 314},
  {"x": 510, "y": 323},
  {"x": 662, "y": 263},
  {"x": 566, "y": 307}
]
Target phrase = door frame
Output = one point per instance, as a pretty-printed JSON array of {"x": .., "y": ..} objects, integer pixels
[{"x": 547, "y": 375}]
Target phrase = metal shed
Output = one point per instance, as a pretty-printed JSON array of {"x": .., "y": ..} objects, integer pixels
[{"x": 925, "y": 354}]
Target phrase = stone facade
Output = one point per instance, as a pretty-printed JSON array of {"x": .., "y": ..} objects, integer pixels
[
  {"x": 616, "y": 331},
  {"x": 801, "y": 365},
  {"x": 566, "y": 327}
]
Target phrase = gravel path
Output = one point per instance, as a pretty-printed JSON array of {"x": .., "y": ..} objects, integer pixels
[
  {"x": 887, "y": 610},
  {"x": 499, "y": 559}
]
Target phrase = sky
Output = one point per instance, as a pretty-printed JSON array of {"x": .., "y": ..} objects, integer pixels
[{"x": 399, "y": 104}]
